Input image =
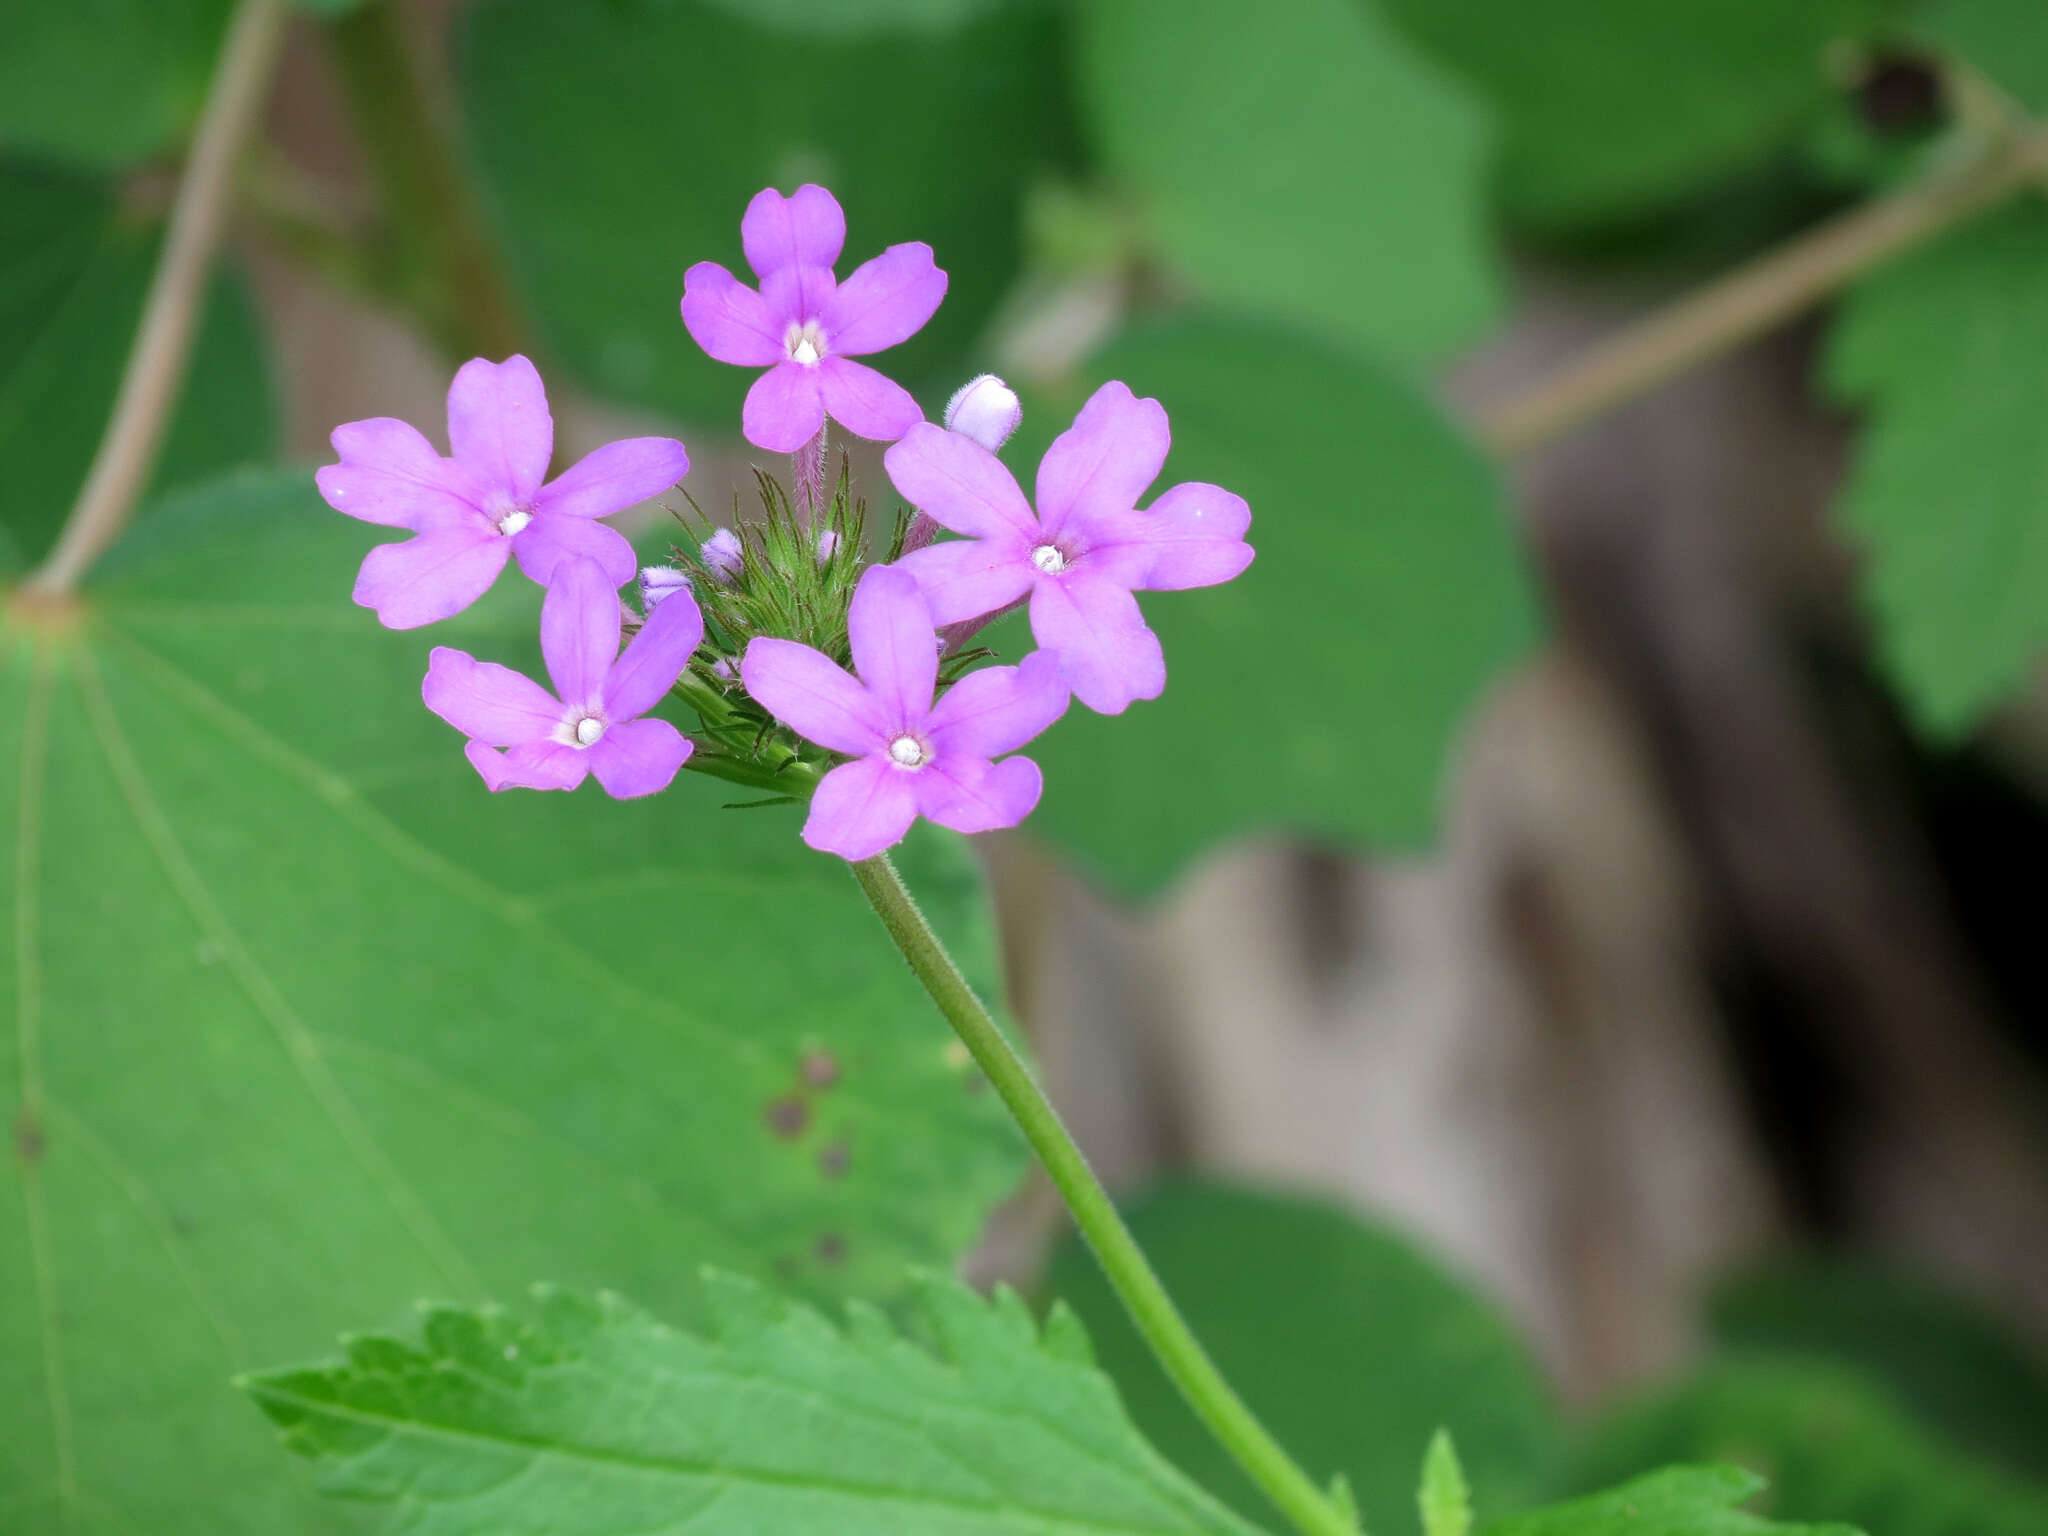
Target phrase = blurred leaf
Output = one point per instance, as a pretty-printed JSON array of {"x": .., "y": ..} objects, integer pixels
[
  {"x": 104, "y": 82},
  {"x": 1299, "y": 161},
  {"x": 73, "y": 275},
  {"x": 596, "y": 1420},
  {"x": 2006, "y": 40},
  {"x": 1444, "y": 1500},
  {"x": 1612, "y": 112},
  {"x": 1830, "y": 1446},
  {"x": 1350, "y": 1345},
  {"x": 1320, "y": 691},
  {"x": 327, "y": 7},
  {"x": 1677, "y": 1501},
  {"x": 309, "y": 1025},
  {"x": 1959, "y": 1367},
  {"x": 622, "y": 145},
  {"x": 1947, "y": 348},
  {"x": 852, "y": 18}
]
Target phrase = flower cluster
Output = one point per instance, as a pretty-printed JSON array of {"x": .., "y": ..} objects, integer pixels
[{"x": 812, "y": 672}]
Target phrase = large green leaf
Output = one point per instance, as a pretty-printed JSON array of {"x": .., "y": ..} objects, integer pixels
[
  {"x": 307, "y": 1025},
  {"x": 1948, "y": 350},
  {"x": 1301, "y": 161},
  {"x": 596, "y": 1420},
  {"x": 621, "y": 144},
  {"x": 1830, "y": 1445},
  {"x": 104, "y": 82},
  {"x": 1319, "y": 692},
  {"x": 1678, "y": 1501},
  {"x": 1610, "y": 112},
  {"x": 2006, "y": 39},
  {"x": 1350, "y": 1345},
  {"x": 73, "y": 273}
]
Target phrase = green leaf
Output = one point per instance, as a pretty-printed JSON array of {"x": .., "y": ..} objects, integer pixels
[
  {"x": 1613, "y": 112},
  {"x": 621, "y": 145},
  {"x": 595, "y": 1420},
  {"x": 1350, "y": 1346},
  {"x": 1947, "y": 349},
  {"x": 308, "y": 1025},
  {"x": 1677, "y": 1501},
  {"x": 105, "y": 82},
  {"x": 1959, "y": 1367},
  {"x": 2005, "y": 40},
  {"x": 853, "y": 18},
  {"x": 73, "y": 275},
  {"x": 1319, "y": 692},
  {"x": 1299, "y": 161},
  {"x": 1831, "y": 1446},
  {"x": 1444, "y": 1500}
]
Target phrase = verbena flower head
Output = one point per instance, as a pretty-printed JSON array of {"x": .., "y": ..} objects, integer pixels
[
  {"x": 592, "y": 722},
  {"x": 805, "y": 327},
  {"x": 911, "y": 757},
  {"x": 1086, "y": 548},
  {"x": 486, "y": 501}
]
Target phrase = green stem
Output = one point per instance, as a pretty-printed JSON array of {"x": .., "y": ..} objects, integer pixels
[{"x": 1150, "y": 1308}]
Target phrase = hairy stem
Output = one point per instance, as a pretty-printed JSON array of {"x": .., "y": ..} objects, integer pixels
[
  {"x": 442, "y": 263},
  {"x": 163, "y": 341},
  {"x": 1150, "y": 1308},
  {"x": 1756, "y": 297}
]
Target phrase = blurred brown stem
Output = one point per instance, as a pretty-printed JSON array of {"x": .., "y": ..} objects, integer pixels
[
  {"x": 443, "y": 264},
  {"x": 1756, "y": 297}
]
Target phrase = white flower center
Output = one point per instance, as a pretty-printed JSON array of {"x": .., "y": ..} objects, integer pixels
[
  {"x": 804, "y": 342},
  {"x": 1047, "y": 558},
  {"x": 906, "y": 752},
  {"x": 513, "y": 521},
  {"x": 588, "y": 729}
]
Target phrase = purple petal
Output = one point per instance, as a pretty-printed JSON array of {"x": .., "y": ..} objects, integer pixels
[
  {"x": 798, "y": 293},
  {"x": 499, "y": 426},
  {"x": 615, "y": 477},
  {"x": 885, "y": 301},
  {"x": 729, "y": 320},
  {"x": 959, "y": 483},
  {"x": 544, "y": 544},
  {"x": 1103, "y": 462},
  {"x": 806, "y": 227},
  {"x": 970, "y": 795},
  {"x": 432, "y": 576},
  {"x": 389, "y": 474},
  {"x": 864, "y": 402},
  {"x": 895, "y": 645},
  {"x": 487, "y": 702},
  {"x": 654, "y": 658},
  {"x": 861, "y": 808},
  {"x": 998, "y": 709},
  {"x": 813, "y": 696},
  {"x": 783, "y": 409},
  {"x": 579, "y": 631},
  {"x": 530, "y": 765},
  {"x": 966, "y": 578},
  {"x": 638, "y": 757},
  {"x": 1106, "y": 653},
  {"x": 1193, "y": 536}
]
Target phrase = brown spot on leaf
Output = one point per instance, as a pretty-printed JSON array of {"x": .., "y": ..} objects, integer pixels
[
  {"x": 787, "y": 1116},
  {"x": 832, "y": 1160},
  {"x": 820, "y": 1068},
  {"x": 29, "y": 1140},
  {"x": 831, "y": 1248}
]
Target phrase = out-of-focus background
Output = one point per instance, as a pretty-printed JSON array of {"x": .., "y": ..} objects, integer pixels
[{"x": 1658, "y": 939}]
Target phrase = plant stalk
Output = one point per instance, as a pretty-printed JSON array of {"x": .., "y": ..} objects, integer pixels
[
  {"x": 1150, "y": 1308},
  {"x": 163, "y": 340}
]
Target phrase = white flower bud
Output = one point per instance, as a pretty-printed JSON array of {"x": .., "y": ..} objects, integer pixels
[
  {"x": 723, "y": 554},
  {"x": 828, "y": 546},
  {"x": 656, "y": 582},
  {"x": 985, "y": 409}
]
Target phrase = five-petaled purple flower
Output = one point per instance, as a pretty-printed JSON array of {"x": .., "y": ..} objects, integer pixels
[
  {"x": 595, "y": 726},
  {"x": 911, "y": 757},
  {"x": 805, "y": 327},
  {"x": 1087, "y": 548},
  {"x": 485, "y": 502}
]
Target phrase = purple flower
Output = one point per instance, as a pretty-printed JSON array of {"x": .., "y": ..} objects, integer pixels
[
  {"x": 595, "y": 725},
  {"x": 911, "y": 757},
  {"x": 658, "y": 582},
  {"x": 1085, "y": 550},
  {"x": 723, "y": 555},
  {"x": 485, "y": 502},
  {"x": 805, "y": 327}
]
